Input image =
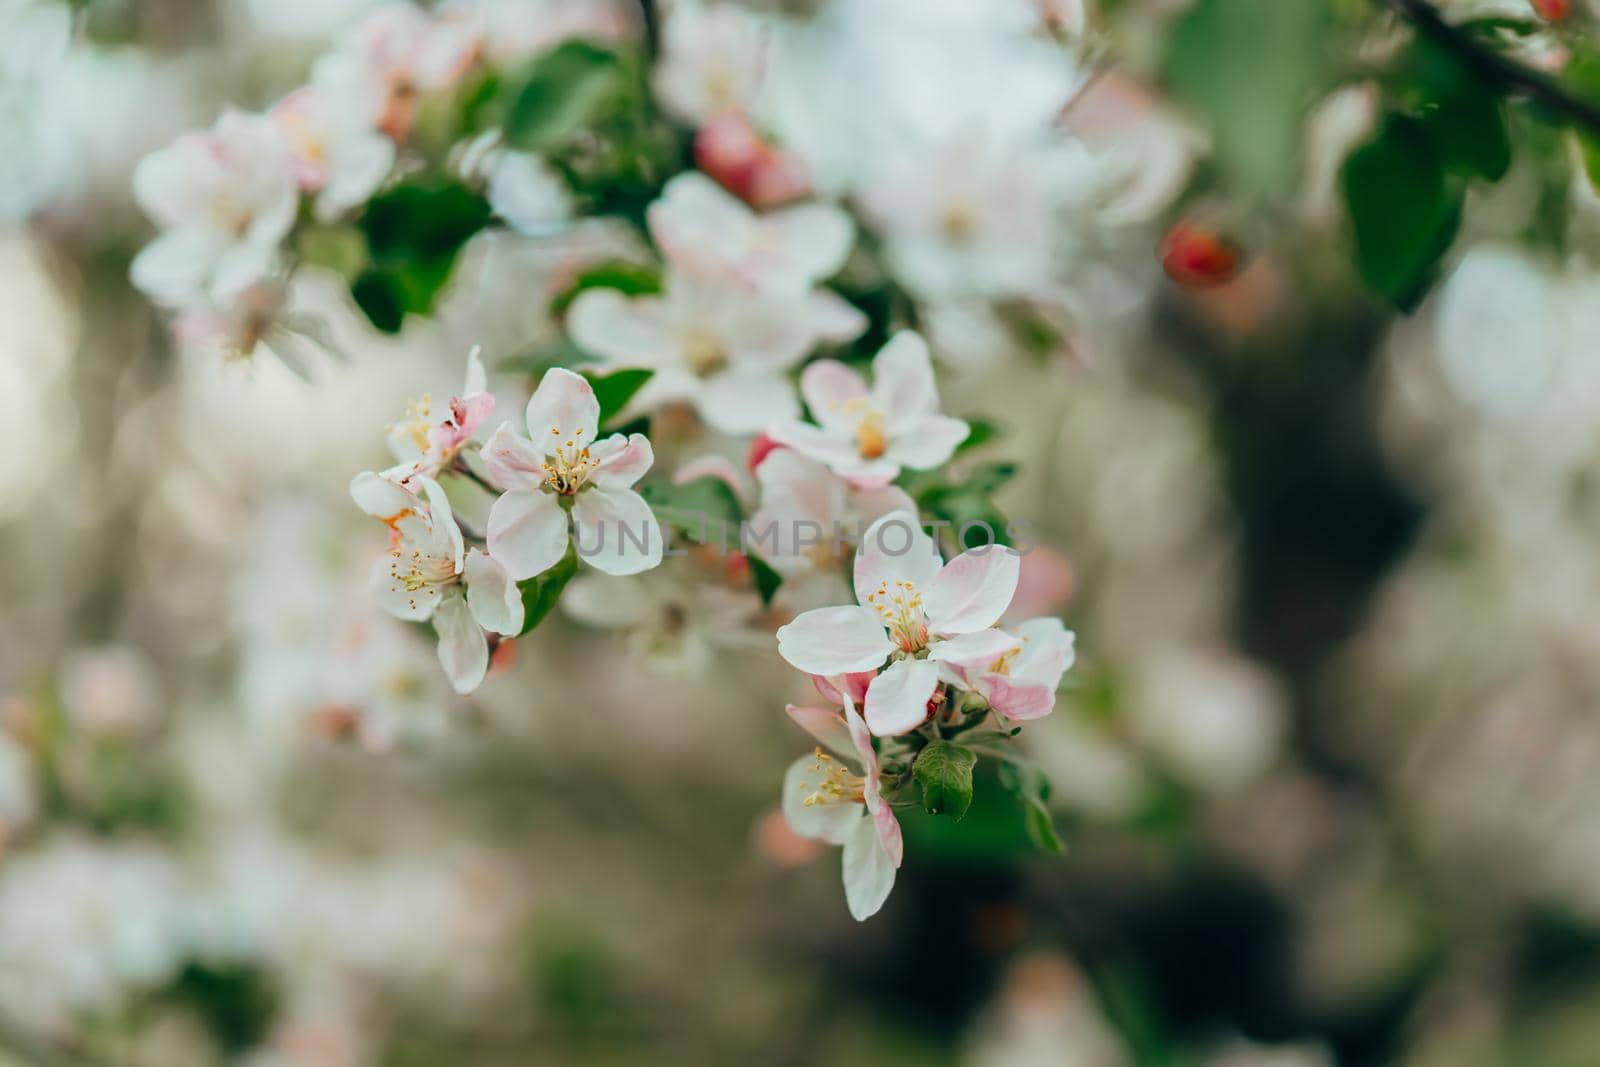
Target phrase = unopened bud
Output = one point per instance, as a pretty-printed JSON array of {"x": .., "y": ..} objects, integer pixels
[{"x": 1196, "y": 257}]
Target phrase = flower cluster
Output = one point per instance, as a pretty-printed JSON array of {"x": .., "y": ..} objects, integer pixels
[{"x": 923, "y": 655}]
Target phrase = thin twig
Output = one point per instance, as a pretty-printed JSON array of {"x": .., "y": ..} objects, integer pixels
[{"x": 1492, "y": 64}]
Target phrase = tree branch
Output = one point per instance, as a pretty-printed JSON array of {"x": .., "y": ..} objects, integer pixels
[{"x": 1486, "y": 61}]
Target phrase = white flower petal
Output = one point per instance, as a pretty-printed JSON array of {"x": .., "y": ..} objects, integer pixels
[
  {"x": 832, "y": 641},
  {"x": 897, "y": 699},
  {"x": 895, "y": 549},
  {"x": 620, "y": 329},
  {"x": 1047, "y": 653},
  {"x": 930, "y": 443},
  {"x": 868, "y": 870},
  {"x": 174, "y": 267},
  {"x": 494, "y": 598},
  {"x": 607, "y": 601},
  {"x": 902, "y": 381},
  {"x": 463, "y": 650},
  {"x": 834, "y": 319},
  {"x": 829, "y": 387},
  {"x": 527, "y": 532},
  {"x": 740, "y": 404},
  {"x": 562, "y": 409},
  {"x": 816, "y": 239},
  {"x": 380, "y": 497},
  {"x": 972, "y": 591},
  {"x": 975, "y": 651},
  {"x": 616, "y": 531}
]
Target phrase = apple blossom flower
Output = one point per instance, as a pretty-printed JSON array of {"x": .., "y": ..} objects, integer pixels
[
  {"x": 565, "y": 483},
  {"x": 225, "y": 199},
  {"x": 716, "y": 346},
  {"x": 406, "y": 51},
  {"x": 826, "y": 801},
  {"x": 703, "y": 229},
  {"x": 807, "y": 508},
  {"x": 867, "y": 435},
  {"x": 427, "y": 442},
  {"x": 428, "y": 574},
  {"x": 914, "y": 612},
  {"x": 331, "y": 127},
  {"x": 1020, "y": 683},
  {"x": 712, "y": 58}
]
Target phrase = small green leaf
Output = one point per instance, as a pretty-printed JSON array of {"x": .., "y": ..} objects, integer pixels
[
  {"x": 1462, "y": 114},
  {"x": 540, "y": 593},
  {"x": 767, "y": 579},
  {"x": 614, "y": 390},
  {"x": 564, "y": 90},
  {"x": 630, "y": 279},
  {"x": 413, "y": 233},
  {"x": 704, "y": 511},
  {"x": 982, "y": 431},
  {"x": 1032, "y": 789},
  {"x": 944, "y": 770},
  {"x": 1403, "y": 209}
]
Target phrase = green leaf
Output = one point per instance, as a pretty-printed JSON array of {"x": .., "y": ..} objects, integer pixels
[
  {"x": 614, "y": 390},
  {"x": 767, "y": 579},
  {"x": 1404, "y": 210},
  {"x": 413, "y": 233},
  {"x": 540, "y": 593},
  {"x": 982, "y": 432},
  {"x": 630, "y": 279},
  {"x": 1582, "y": 77},
  {"x": 1462, "y": 114},
  {"x": 1032, "y": 789},
  {"x": 704, "y": 511},
  {"x": 1250, "y": 67},
  {"x": 565, "y": 90},
  {"x": 944, "y": 770}
]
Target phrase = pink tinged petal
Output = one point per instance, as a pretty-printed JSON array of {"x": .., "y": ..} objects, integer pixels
[
  {"x": 829, "y": 388},
  {"x": 821, "y": 822},
  {"x": 562, "y": 409},
  {"x": 974, "y": 651},
  {"x": 834, "y": 319},
  {"x": 854, "y": 691},
  {"x": 616, "y": 531},
  {"x": 412, "y": 605},
  {"x": 838, "y": 453},
  {"x": 972, "y": 591},
  {"x": 897, "y": 701},
  {"x": 929, "y": 443},
  {"x": 902, "y": 381},
  {"x": 888, "y": 829},
  {"x": 721, "y": 468},
  {"x": 469, "y": 412},
  {"x": 872, "y": 503},
  {"x": 624, "y": 463},
  {"x": 527, "y": 532},
  {"x": 463, "y": 650},
  {"x": 745, "y": 403},
  {"x": 494, "y": 598},
  {"x": 834, "y": 641},
  {"x": 620, "y": 329},
  {"x": 513, "y": 462},
  {"x": 895, "y": 549},
  {"x": 868, "y": 870},
  {"x": 1018, "y": 701},
  {"x": 447, "y": 538},
  {"x": 824, "y": 724},
  {"x": 380, "y": 497}
]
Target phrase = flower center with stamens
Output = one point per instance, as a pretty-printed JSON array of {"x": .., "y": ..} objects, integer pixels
[
  {"x": 871, "y": 441},
  {"x": 703, "y": 353},
  {"x": 1003, "y": 664},
  {"x": 415, "y": 572},
  {"x": 900, "y": 607},
  {"x": 417, "y": 423},
  {"x": 569, "y": 463},
  {"x": 834, "y": 784}
]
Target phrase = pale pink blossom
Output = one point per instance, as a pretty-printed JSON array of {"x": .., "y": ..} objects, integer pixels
[
  {"x": 913, "y": 612},
  {"x": 407, "y": 51},
  {"x": 225, "y": 199},
  {"x": 868, "y": 434},
  {"x": 565, "y": 483},
  {"x": 427, "y": 441},
  {"x": 713, "y": 57},
  {"x": 427, "y": 573},
  {"x": 807, "y": 511},
  {"x": 826, "y": 801},
  {"x": 1020, "y": 683},
  {"x": 340, "y": 155}
]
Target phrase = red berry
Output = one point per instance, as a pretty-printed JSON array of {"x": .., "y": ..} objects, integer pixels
[{"x": 1198, "y": 258}]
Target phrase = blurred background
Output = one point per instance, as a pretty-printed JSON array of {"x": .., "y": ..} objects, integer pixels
[{"x": 1327, "y": 769}]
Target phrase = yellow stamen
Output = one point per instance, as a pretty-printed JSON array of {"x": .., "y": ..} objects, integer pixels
[{"x": 900, "y": 607}]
